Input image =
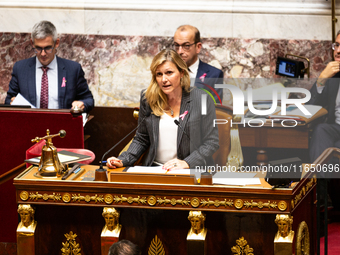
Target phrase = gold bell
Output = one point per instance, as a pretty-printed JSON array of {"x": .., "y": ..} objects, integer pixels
[{"x": 50, "y": 165}]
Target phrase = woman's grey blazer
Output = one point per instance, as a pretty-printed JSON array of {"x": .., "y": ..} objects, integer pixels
[{"x": 196, "y": 151}]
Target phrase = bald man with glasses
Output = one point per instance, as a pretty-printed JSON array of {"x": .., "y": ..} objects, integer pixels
[
  {"x": 187, "y": 43},
  {"x": 47, "y": 81}
]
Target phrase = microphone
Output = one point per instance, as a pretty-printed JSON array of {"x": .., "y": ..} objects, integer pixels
[
  {"x": 101, "y": 169},
  {"x": 195, "y": 147}
]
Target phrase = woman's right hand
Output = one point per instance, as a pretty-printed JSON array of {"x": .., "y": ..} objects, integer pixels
[{"x": 114, "y": 162}]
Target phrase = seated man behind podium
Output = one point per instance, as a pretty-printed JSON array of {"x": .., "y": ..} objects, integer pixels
[
  {"x": 168, "y": 99},
  {"x": 187, "y": 43},
  {"x": 325, "y": 92},
  {"x": 47, "y": 81}
]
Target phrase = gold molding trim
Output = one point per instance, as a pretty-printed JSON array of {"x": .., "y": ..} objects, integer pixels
[
  {"x": 173, "y": 201},
  {"x": 152, "y": 200},
  {"x": 217, "y": 203},
  {"x": 195, "y": 202},
  {"x": 130, "y": 200},
  {"x": 260, "y": 204},
  {"x": 242, "y": 247},
  {"x": 156, "y": 247},
  {"x": 108, "y": 198},
  {"x": 88, "y": 198},
  {"x": 36, "y": 196},
  {"x": 303, "y": 191},
  {"x": 24, "y": 195},
  {"x": 302, "y": 239},
  {"x": 282, "y": 205},
  {"x": 70, "y": 247},
  {"x": 66, "y": 197}
]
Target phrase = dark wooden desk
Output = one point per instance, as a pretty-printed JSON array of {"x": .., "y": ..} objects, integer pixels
[
  {"x": 162, "y": 209},
  {"x": 283, "y": 142}
]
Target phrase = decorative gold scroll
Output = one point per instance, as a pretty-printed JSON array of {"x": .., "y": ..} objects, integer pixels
[
  {"x": 173, "y": 201},
  {"x": 88, "y": 198},
  {"x": 153, "y": 200},
  {"x": 303, "y": 191}
]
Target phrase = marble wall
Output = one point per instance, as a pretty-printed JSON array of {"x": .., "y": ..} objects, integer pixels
[{"x": 115, "y": 41}]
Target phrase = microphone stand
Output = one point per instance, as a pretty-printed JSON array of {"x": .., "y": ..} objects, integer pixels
[{"x": 100, "y": 173}]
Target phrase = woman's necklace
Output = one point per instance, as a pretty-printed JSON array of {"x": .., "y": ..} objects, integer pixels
[{"x": 171, "y": 111}]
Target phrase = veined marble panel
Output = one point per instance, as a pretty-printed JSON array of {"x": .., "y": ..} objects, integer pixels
[{"x": 117, "y": 67}]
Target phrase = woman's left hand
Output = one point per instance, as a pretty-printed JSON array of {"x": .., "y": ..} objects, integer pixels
[{"x": 176, "y": 164}]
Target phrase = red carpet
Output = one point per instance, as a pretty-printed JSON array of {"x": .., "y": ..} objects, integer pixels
[{"x": 333, "y": 239}]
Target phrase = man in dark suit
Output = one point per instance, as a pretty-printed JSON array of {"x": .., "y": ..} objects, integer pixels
[
  {"x": 47, "y": 81},
  {"x": 325, "y": 92},
  {"x": 187, "y": 43}
]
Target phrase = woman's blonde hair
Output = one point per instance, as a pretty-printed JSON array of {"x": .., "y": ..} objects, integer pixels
[{"x": 154, "y": 95}]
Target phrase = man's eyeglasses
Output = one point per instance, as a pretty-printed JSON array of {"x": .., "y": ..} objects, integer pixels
[
  {"x": 184, "y": 46},
  {"x": 47, "y": 49},
  {"x": 335, "y": 46}
]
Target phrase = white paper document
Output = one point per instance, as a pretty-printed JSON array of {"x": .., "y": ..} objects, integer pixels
[
  {"x": 239, "y": 179},
  {"x": 156, "y": 170},
  {"x": 20, "y": 100},
  {"x": 147, "y": 170}
]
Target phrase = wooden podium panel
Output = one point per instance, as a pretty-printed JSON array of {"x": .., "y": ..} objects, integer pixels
[
  {"x": 18, "y": 127},
  {"x": 162, "y": 209}
]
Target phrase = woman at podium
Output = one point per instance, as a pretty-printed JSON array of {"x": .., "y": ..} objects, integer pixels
[{"x": 176, "y": 122}]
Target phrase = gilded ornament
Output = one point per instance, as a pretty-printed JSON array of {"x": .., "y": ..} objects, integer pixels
[
  {"x": 112, "y": 227},
  {"x": 156, "y": 247},
  {"x": 45, "y": 197},
  {"x": 70, "y": 247},
  {"x": 260, "y": 204},
  {"x": 197, "y": 219},
  {"x": 87, "y": 198},
  {"x": 27, "y": 223},
  {"x": 173, "y": 201},
  {"x": 108, "y": 198},
  {"x": 282, "y": 205},
  {"x": 24, "y": 195},
  {"x": 303, "y": 191},
  {"x": 284, "y": 224},
  {"x": 302, "y": 240},
  {"x": 152, "y": 200},
  {"x": 242, "y": 247},
  {"x": 130, "y": 200},
  {"x": 292, "y": 203},
  {"x": 238, "y": 203},
  {"x": 66, "y": 197},
  {"x": 195, "y": 202}
]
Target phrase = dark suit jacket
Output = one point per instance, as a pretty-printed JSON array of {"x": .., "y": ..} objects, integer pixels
[
  {"x": 203, "y": 135},
  {"x": 23, "y": 82},
  {"x": 328, "y": 96},
  {"x": 213, "y": 76}
]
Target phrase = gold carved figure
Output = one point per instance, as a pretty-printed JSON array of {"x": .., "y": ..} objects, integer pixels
[
  {"x": 197, "y": 230},
  {"x": 112, "y": 227},
  {"x": 27, "y": 223},
  {"x": 284, "y": 223}
]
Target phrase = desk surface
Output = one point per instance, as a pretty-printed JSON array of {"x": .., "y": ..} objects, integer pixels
[{"x": 260, "y": 198}]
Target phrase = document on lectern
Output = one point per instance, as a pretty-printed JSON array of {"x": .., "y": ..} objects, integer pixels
[{"x": 20, "y": 100}]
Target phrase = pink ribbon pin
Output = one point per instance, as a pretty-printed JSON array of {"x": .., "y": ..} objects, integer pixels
[
  {"x": 202, "y": 77},
  {"x": 63, "y": 83},
  {"x": 183, "y": 115}
]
